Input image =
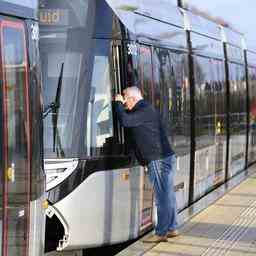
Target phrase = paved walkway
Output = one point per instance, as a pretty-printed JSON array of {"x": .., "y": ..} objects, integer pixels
[{"x": 228, "y": 227}]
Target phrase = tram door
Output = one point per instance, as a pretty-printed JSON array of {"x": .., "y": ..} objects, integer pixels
[
  {"x": 16, "y": 139},
  {"x": 117, "y": 88}
]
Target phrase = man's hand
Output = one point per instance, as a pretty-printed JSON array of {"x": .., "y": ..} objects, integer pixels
[{"x": 120, "y": 98}]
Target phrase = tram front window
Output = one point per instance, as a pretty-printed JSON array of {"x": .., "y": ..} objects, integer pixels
[{"x": 77, "y": 81}]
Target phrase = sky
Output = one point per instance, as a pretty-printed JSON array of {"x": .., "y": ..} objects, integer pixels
[{"x": 240, "y": 13}]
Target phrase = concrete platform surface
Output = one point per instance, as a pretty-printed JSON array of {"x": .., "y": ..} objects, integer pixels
[{"x": 227, "y": 227}]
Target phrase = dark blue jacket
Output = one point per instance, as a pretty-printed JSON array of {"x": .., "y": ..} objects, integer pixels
[{"x": 149, "y": 138}]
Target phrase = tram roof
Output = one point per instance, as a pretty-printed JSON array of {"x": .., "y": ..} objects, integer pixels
[
  {"x": 162, "y": 10},
  {"x": 23, "y": 9},
  {"x": 233, "y": 37},
  {"x": 202, "y": 25},
  {"x": 235, "y": 44},
  {"x": 142, "y": 18},
  {"x": 251, "y": 58}
]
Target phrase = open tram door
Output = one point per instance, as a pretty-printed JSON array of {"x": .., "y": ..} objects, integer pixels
[
  {"x": 128, "y": 61},
  {"x": 15, "y": 138},
  {"x": 117, "y": 84}
]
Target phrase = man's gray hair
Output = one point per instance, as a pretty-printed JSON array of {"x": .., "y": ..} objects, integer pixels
[{"x": 133, "y": 91}]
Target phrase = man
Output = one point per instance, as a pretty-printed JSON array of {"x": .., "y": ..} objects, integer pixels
[{"x": 152, "y": 149}]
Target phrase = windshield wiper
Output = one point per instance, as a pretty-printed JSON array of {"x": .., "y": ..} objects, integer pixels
[{"x": 54, "y": 106}]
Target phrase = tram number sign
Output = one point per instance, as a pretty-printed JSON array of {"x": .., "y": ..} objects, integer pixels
[{"x": 132, "y": 49}]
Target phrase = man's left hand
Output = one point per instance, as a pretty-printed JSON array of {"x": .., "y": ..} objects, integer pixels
[{"x": 119, "y": 97}]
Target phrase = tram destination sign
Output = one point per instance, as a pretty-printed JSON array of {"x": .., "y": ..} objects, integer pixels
[{"x": 54, "y": 17}]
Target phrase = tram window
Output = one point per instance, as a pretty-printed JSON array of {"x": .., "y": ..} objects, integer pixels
[
  {"x": 163, "y": 78},
  {"x": 252, "y": 94},
  {"x": 132, "y": 69},
  {"x": 252, "y": 131},
  {"x": 145, "y": 72},
  {"x": 100, "y": 127},
  {"x": 82, "y": 125},
  {"x": 171, "y": 96},
  {"x": 237, "y": 116},
  {"x": 15, "y": 54},
  {"x": 237, "y": 99},
  {"x": 15, "y": 74},
  {"x": 139, "y": 70},
  {"x": 209, "y": 99}
]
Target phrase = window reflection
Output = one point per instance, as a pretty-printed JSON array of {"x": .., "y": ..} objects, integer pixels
[
  {"x": 164, "y": 81},
  {"x": 252, "y": 108},
  {"x": 171, "y": 90},
  {"x": 76, "y": 74},
  {"x": 99, "y": 118},
  {"x": 237, "y": 116},
  {"x": 237, "y": 99},
  {"x": 64, "y": 44},
  {"x": 145, "y": 73},
  {"x": 207, "y": 47},
  {"x": 210, "y": 116}
]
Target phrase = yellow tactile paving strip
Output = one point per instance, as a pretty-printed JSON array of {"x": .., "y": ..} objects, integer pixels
[{"x": 228, "y": 227}]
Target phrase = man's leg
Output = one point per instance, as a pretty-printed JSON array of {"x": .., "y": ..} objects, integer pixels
[
  {"x": 172, "y": 197},
  {"x": 161, "y": 175}
]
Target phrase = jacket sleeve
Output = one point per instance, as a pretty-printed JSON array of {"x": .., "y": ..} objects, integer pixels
[{"x": 131, "y": 119}]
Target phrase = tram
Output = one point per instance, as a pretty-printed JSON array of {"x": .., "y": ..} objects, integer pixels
[
  {"x": 199, "y": 76},
  {"x": 22, "y": 180}
]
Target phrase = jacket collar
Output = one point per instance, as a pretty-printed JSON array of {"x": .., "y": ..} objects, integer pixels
[{"x": 139, "y": 104}]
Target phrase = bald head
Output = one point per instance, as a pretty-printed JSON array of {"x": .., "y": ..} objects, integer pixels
[
  {"x": 132, "y": 95},
  {"x": 133, "y": 91}
]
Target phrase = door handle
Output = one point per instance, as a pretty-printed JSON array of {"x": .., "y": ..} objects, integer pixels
[{"x": 10, "y": 174}]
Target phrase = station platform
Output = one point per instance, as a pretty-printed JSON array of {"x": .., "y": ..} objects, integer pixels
[{"x": 227, "y": 227}]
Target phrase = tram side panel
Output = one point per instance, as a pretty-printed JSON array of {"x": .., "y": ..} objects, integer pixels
[{"x": 109, "y": 213}]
